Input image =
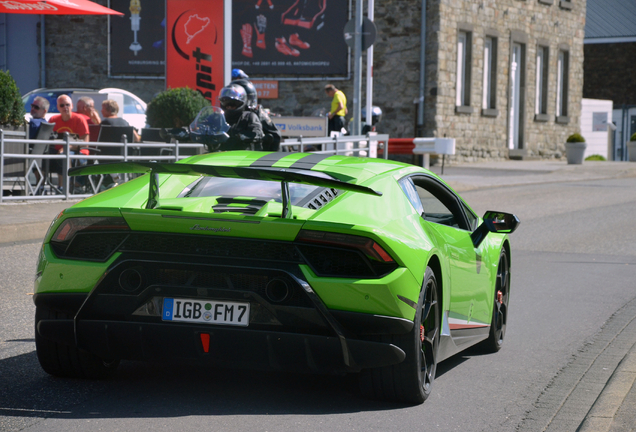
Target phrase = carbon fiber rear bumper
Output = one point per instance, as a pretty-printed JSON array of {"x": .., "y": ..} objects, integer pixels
[{"x": 235, "y": 347}]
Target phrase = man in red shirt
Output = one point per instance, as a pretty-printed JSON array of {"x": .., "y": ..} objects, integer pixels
[{"x": 68, "y": 121}]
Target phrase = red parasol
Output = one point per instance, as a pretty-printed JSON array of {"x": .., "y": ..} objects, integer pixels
[{"x": 55, "y": 7}]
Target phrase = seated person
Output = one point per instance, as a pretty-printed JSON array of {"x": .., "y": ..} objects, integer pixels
[
  {"x": 110, "y": 108},
  {"x": 86, "y": 107},
  {"x": 39, "y": 108},
  {"x": 73, "y": 123},
  {"x": 68, "y": 121}
]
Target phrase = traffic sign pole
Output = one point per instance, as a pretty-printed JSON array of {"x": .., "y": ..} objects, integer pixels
[
  {"x": 370, "y": 15},
  {"x": 357, "y": 69}
]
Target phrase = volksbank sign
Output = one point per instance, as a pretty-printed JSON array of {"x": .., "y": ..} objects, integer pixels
[{"x": 302, "y": 126}]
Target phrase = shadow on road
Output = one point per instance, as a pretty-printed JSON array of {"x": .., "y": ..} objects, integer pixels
[{"x": 159, "y": 390}]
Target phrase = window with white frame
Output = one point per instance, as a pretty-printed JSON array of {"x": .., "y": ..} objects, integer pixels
[
  {"x": 562, "y": 85},
  {"x": 541, "y": 91},
  {"x": 463, "y": 68},
  {"x": 489, "y": 96}
]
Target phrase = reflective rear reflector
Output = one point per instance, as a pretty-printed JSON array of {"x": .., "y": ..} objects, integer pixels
[{"x": 205, "y": 342}]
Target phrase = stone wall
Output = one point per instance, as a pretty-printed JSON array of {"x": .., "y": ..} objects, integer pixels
[
  {"x": 485, "y": 137},
  {"x": 77, "y": 56},
  {"x": 607, "y": 73}
]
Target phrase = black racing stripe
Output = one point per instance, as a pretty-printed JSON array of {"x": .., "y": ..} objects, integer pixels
[
  {"x": 310, "y": 161},
  {"x": 269, "y": 159}
]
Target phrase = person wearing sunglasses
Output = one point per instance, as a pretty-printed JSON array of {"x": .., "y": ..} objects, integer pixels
[
  {"x": 68, "y": 121},
  {"x": 39, "y": 108},
  {"x": 76, "y": 125},
  {"x": 246, "y": 132}
]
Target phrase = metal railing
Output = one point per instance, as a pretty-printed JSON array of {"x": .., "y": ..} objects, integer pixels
[
  {"x": 44, "y": 188},
  {"x": 359, "y": 145}
]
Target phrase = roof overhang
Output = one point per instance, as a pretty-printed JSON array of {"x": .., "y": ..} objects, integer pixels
[{"x": 609, "y": 40}]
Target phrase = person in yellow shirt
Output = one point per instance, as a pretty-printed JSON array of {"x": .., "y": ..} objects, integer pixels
[{"x": 338, "y": 109}]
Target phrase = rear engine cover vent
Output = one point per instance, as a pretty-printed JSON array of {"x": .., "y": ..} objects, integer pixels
[{"x": 323, "y": 198}]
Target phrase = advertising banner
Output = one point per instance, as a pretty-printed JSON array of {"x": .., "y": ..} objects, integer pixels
[
  {"x": 195, "y": 46},
  {"x": 298, "y": 37},
  {"x": 266, "y": 89},
  {"x": 137, "y": 45},
  {"x": 301, "y": 126}
]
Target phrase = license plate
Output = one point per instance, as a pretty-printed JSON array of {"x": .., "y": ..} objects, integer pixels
[{"x": 206, "y": 311}]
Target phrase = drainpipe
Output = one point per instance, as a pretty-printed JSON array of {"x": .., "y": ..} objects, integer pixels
[
  {"x": 420, "y": 113},
  {"x": 42, "y": 52}
]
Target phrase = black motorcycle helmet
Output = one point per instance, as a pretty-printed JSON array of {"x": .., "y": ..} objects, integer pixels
[
  {"x": 376, "y": 114},
  {"x": 233, "y": 99},
  {"x": 252, "y": 96}
]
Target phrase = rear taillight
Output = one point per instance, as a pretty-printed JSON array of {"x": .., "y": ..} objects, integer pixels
[
  {"x": 89, "y": 238},
  {"x": 72, "y": 226},
  {"x": 343, "y": 255},
  {"x": 365, "y": 245}
]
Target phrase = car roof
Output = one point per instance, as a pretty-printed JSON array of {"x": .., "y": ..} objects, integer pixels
[{"x": 82, "y": 89}]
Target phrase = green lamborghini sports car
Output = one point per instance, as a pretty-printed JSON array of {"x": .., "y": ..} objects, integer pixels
[{"x": 282, "y": 261}]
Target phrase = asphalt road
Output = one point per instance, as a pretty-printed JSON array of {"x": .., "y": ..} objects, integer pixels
[{"x": 573, "y": 267}]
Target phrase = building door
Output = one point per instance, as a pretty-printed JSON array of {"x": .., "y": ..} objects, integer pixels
[
  {"x": 515, "y": 133},
  {"x": 625, "y": 121}
]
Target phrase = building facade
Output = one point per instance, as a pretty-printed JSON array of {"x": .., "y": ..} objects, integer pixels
[
  {"x": 503, "y": 77},
  {"x": 610, "y": 47},
  {"x": 506, "y": 76}
]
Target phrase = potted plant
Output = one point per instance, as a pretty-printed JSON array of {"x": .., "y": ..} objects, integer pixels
[
  {"x": 575, "y": 147},
  {"x": 631, "y": 148},
  {"x": 175, "y": 108}
]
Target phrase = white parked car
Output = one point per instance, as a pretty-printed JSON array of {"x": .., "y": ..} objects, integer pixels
[{"x": 131, "y": 107}]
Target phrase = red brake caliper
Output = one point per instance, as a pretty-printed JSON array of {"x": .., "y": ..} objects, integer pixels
[
  {"x": 499, "y": 296},
  {"x": 421, "y": 333}
]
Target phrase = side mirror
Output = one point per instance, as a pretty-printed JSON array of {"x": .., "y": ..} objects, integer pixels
[{"x": 494, "y": 221}]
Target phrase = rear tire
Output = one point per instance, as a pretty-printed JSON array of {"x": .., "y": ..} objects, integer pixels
[
  {"x": 410, "y": 381},
  {"x": 500, "y": 306},
  {"x": 68, "y": 361}
]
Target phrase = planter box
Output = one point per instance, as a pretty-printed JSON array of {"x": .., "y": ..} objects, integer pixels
[
  {"x": 631, "y": 150},
  {"x": 575, "y": 151}
]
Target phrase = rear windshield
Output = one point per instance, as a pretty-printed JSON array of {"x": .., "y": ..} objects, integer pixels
[
  {"x": 51, "y": 96},
  {"x": 260, "y": 189}
]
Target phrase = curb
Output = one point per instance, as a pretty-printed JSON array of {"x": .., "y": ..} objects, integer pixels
[
  {"x": 602, "y": 414},
  {"x": 23, "y": 232},
  {"x": 587, "y": 393}
]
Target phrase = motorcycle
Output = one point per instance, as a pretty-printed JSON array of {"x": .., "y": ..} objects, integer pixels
[{"x": 208, "y": 127}]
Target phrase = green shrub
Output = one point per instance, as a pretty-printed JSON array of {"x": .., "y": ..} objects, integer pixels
[
  {"x": 595, "y": 157},
  {"x": 175, "y": 108},
  {"x": 11, "y": 106},
  {"x": 633, "y": 138},
  {"x": 575, "y": 138}
]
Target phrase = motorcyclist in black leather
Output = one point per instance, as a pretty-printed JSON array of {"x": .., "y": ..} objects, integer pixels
[
  {"x": 246, "y": 132},
  {"x": 271, "y": 134}
]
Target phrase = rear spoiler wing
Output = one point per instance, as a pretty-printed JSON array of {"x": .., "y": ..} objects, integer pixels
[{"x": 282, "y": 175}]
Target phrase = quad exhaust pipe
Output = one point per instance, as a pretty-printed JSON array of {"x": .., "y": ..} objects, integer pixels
[{"x": 277, "y": 290}]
